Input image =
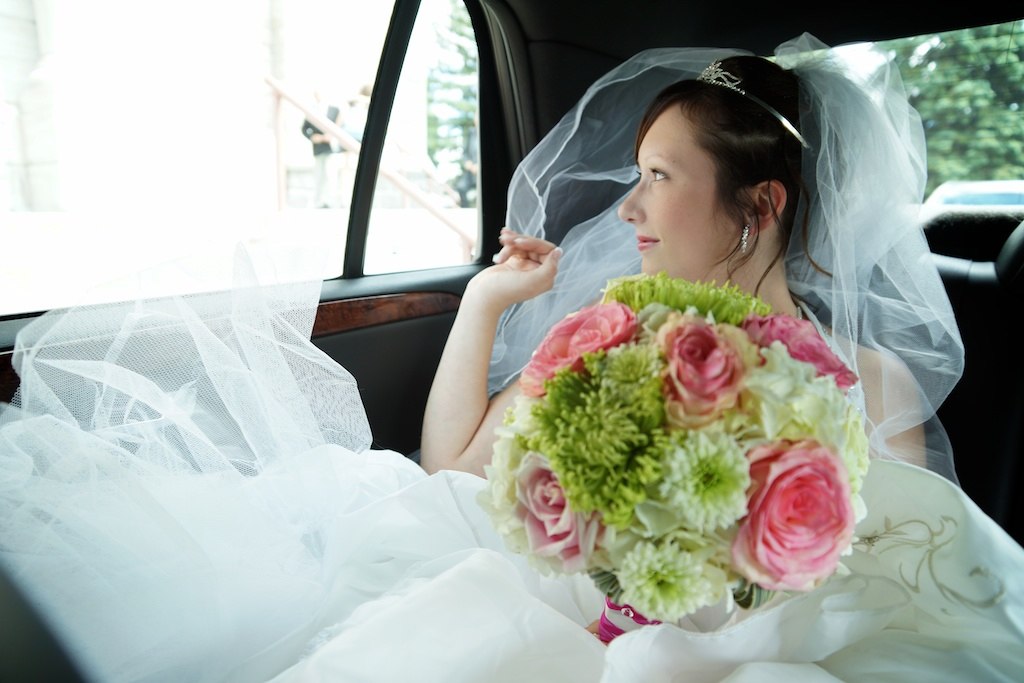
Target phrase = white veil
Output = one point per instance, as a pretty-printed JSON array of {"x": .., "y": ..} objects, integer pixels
[
  {"x": 131, "y": 513},
  {"x": 865, "y": 170}
]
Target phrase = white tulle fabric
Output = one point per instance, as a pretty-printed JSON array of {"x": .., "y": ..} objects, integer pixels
[
  {"x": 866, "y": 173},
  {"x": 186, "y": 494}
]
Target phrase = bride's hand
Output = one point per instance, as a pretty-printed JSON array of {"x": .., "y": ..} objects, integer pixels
[
  {"x": 522, "y": 247},
  {"x": 523, "y": 268}
]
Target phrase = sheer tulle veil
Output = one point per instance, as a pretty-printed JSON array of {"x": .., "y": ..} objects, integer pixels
[
  {"x": 865, "y": 170},
  {"x": 130, "y": 509}
]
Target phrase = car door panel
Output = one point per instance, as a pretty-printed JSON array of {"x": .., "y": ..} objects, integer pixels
[
  {"x": 388, "y": 336},
  {"x": 391, "y": 344}
]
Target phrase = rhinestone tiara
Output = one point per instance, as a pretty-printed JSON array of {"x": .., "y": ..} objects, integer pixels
[{"x": 716, "y": 75}]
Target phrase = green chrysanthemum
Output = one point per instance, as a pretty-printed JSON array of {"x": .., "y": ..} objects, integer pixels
[
  {"x": 666, "y": 581},
  {"x": 706, "y": 479},
  {"x": 602, "y": 430},
  {"x": 726, "y": 303}
]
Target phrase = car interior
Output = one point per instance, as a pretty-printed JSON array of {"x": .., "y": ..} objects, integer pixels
[{"x": 536, "y": 58}]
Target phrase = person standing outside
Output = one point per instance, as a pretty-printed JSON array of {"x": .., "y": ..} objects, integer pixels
[
  {"x": 322, "y": 151},
  {"x": 466, "y": 183}
]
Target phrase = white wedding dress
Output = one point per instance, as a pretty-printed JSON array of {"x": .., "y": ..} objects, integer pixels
[{"x": 187, "y": 494}]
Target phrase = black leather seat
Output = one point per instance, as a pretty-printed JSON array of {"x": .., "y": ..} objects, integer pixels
[
  {"x": 980, "y": 255},
  {"x": 28, "y": 649}
]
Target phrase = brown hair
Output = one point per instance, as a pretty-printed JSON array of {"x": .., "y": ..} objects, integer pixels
[{"x": 747, "y": 142}]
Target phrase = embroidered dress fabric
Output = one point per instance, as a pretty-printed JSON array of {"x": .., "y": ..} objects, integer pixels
[{"x": 187, "y": 495}]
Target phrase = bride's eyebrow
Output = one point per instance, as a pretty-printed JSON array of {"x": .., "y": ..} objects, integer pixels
[{"x": 653, "y": 159}]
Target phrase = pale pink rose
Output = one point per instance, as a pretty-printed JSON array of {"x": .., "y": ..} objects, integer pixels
[
  {"x": 800, "y": 518},
  {"x": 803, "y": 342},
  {"x": 552, "y": 529},
  {"x": 594, "y": 328},
  {"x": 704, "y": 371}
]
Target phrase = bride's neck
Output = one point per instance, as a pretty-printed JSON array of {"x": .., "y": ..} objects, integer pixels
[{"x": 773, "y": 290}]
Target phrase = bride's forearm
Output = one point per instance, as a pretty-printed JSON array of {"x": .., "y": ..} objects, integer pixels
[
  {"x": 459, "y": 420},
  {"x": 458, "y": 423}
]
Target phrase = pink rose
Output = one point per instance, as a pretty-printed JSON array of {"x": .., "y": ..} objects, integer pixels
[
  {"x": 597, "y": 327},
  {"x": 552, "y": 529},
  {"x": 705, "y": 369},
  {"x": 799, "y": 516},
  {"x": 804, "y": 344}
]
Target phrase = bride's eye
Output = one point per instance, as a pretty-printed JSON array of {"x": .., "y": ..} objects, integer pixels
[{"x": 654, "y": 173}]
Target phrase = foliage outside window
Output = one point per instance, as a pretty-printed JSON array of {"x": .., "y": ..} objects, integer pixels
[
  {"x": 452, "y": 94},
  {"x": 968, "y": 86}
]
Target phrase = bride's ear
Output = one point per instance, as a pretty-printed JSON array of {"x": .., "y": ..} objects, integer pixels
[{"x": 769, "y": 202}]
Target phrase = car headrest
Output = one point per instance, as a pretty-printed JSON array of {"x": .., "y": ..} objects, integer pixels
[
  {"x": 974, "y": 233},
  {"x": 1010, "y": 262}
]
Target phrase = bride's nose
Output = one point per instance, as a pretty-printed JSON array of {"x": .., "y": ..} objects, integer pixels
[{"x": 629, "y": 210}]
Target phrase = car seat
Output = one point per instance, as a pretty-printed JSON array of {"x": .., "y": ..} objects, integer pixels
[{"x": 980, "y": 256}]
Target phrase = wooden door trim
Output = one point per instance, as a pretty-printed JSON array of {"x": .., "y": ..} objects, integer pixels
[{"x": 332, "y": 317}]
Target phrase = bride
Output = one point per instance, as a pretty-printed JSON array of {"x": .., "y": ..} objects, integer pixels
[{"x": 188, "y": 492}]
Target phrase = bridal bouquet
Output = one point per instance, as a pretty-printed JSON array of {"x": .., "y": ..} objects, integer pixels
[{"x": 678, "y": 442}]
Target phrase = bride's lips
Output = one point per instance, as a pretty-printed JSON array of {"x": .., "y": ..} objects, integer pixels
[{"x": 643, "y": 242}]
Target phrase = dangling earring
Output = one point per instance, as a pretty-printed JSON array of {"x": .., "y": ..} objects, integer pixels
[{"x": 743, "y": 238}]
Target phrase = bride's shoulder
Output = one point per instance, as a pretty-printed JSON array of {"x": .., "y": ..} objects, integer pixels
[
  {"x": 875, "y": 368},
  {"x": 893, "y": 405},
  {"x": 878, "y": 368}
]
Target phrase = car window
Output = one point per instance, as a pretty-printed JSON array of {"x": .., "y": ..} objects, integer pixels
[
  {"x": 968, "y": 86},
  {"x": 424, "y": 206},
  {"x": 994, "y": 198},
  {"x": 159, "y": 149},
  {"x": 979, "y": 193}
]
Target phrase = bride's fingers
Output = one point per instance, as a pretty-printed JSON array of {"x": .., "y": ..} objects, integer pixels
[
  {"x": 550, "y": 259},
  {"x": 502, "y": 255},
  {"x": 526, "y": 256},
  {"x": 524, "y": 251},
  {"x": 510, "y": 254},
  {"x": 508, "y": 247},
  {"x": 525, "y": 243}
]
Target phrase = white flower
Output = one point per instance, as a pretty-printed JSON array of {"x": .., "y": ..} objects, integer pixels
[
  {"x": 666, "y": 580},
  {"x": 706, "y": 479}
]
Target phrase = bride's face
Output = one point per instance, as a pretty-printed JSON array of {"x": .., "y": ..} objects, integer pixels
[{"x": 680, "y": 228}]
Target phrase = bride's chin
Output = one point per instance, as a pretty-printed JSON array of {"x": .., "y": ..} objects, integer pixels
[{"x": 650, "y": 266}]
